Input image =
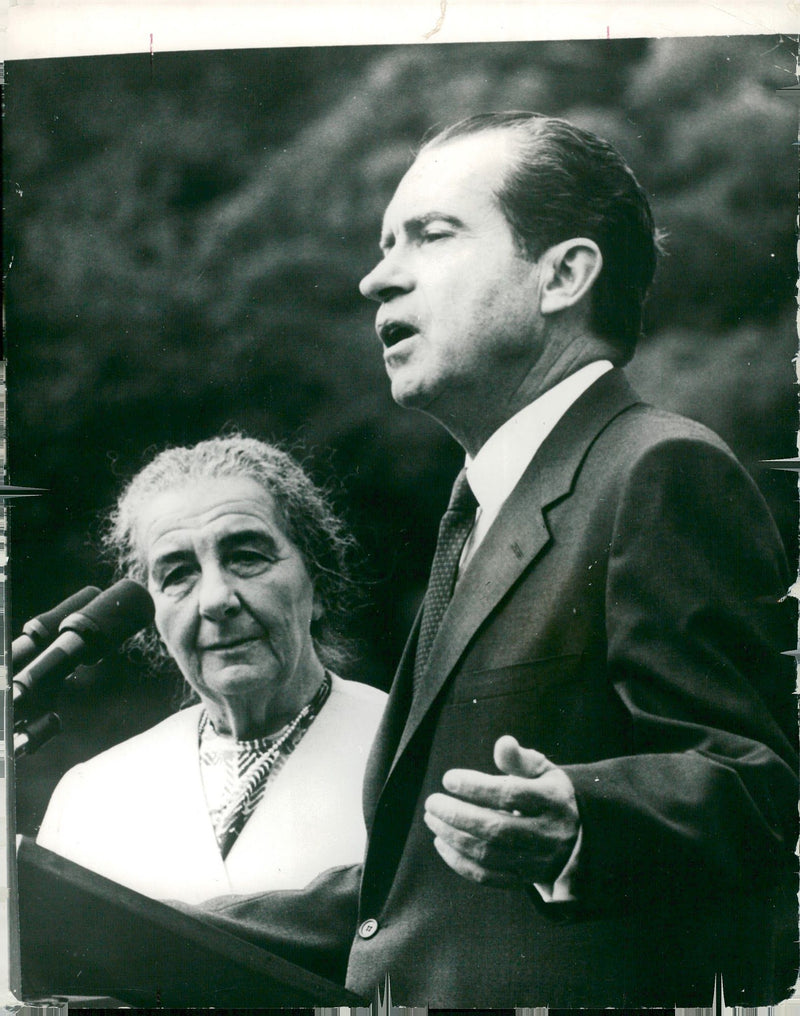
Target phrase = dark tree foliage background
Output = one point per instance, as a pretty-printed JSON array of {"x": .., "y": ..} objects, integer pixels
[{"x": 183, "y": 243}]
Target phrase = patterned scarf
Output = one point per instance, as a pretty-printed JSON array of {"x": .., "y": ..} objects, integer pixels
[{"x": 235, "y": 773}]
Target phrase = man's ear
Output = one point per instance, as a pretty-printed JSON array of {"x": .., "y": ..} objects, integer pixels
[
  {"x": 317, "y": 608},
  {"x": 569, "y": 270}
]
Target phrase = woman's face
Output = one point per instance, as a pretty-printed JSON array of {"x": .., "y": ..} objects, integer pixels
[{"x": 234, "y": 601}]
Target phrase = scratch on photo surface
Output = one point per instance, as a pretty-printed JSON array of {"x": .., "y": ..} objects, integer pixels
[
  {"x": 736, "y": 14},
  {"x": 440, "y": 21},
  {"x": 781, "y": 41}
]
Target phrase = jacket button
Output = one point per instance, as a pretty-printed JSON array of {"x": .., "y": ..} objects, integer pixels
[{"x": 368, "y": 928}]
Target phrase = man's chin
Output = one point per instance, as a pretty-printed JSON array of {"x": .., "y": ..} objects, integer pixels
[{"x": 410, "y": 395}]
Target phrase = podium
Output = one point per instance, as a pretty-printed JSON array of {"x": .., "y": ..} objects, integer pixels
[{"x": 82, "y": 934}]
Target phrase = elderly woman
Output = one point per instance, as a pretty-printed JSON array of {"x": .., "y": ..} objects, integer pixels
[{"x": 258, "y": 785}]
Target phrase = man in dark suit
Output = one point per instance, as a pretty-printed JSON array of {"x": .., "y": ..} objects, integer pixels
[{"x": 583, "y": 792}]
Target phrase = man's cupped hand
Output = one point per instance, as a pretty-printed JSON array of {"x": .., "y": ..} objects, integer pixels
[{"x": 511, "y": 830}]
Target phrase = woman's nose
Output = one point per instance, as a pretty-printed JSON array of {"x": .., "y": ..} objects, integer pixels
[{"x": 217, "y": 598}]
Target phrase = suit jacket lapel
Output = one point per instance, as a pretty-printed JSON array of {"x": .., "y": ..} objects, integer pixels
[
  {"x": 517, "y": 537},
  {"x": 391, "y": 727}
]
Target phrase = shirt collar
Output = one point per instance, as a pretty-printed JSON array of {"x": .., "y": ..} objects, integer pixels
[{"x": 498, "y": 467}]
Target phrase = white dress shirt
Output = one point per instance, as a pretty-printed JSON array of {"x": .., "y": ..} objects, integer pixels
[
  {"x": 494, "y": 473},
  {"x": 498, "y": 467}
]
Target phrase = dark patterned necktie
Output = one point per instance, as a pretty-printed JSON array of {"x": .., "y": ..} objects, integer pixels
[{"x": 454, "y": 529}]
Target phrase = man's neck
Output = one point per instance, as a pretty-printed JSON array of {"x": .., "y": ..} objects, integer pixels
[
  {"x": 503, "y": 459},
  {"x": 475, "y": 421}
]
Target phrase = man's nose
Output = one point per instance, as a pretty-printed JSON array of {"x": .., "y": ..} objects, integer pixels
[
  {"x": 389, "y": 278},
  {"x": 217, "y": 597}
]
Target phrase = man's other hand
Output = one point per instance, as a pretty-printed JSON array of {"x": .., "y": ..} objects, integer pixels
[{"x": 512, "y": 830}]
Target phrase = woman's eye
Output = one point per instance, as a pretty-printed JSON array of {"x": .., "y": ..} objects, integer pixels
[
  {"x": 177, "y": 576},
  {"x": 248, "y": 561}
]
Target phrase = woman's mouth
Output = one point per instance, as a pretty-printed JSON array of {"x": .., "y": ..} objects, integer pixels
[{"x": 228, "y": 644}]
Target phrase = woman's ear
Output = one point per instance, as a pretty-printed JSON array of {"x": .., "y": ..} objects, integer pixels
[{"x": 569, "y": 270}]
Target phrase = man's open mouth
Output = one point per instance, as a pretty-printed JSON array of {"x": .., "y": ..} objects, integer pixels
[{"x": 392, "y": 332}]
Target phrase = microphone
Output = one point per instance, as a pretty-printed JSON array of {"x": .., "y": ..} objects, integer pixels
[
  {"x": 35, "y": 734},
  {"x": 39, "y": 632},
  {"x": 85, "y": 636}
]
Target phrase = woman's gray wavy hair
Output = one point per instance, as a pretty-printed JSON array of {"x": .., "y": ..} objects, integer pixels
[{"x": 305, "y": 511}]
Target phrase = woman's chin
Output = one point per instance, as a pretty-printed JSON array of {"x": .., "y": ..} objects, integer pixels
[{"x": 239, "y": 684}]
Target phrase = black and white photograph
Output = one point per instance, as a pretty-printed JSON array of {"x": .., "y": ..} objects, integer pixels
[{"x": 406, "y": 604}]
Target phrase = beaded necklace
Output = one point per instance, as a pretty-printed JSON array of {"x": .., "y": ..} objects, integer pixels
[{"x": 235, "y": 773}]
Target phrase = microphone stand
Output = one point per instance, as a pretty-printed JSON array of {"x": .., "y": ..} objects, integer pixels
[
  {"x": 35, "y": 720},
  {"x": 30, "y": 735}
]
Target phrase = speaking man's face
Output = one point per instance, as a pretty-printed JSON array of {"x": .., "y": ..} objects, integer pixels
[{"x": 458, "y": 316}]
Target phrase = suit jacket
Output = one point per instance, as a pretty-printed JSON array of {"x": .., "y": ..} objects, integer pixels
[
  {"x": 137, "y": 813},
  {"x": 622, "y": 617}
]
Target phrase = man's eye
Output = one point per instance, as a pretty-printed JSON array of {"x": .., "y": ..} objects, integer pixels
[{"x": 433, "y": 234}]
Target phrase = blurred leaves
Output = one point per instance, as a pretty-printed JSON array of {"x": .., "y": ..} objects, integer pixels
[{"x": 186, "y": 247}]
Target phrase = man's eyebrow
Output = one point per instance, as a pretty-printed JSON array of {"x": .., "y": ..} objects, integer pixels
[{"x": 416, "y": 224}]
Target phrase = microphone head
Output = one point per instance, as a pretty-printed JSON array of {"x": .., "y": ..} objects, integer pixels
[
  {"x": 39, "y": 632},
  {"x": 113, "y": 616},
  {"x": 45, "y": 625}
]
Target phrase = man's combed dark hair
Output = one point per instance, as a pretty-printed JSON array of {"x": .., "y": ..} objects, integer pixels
[{"x": 566, "y": 182}]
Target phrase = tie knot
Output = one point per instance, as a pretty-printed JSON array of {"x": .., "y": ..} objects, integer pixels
[{"x": 462, "y": 500}]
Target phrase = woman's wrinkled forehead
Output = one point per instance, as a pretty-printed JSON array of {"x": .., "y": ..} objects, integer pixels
[{"x": 198, "y": 504}]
